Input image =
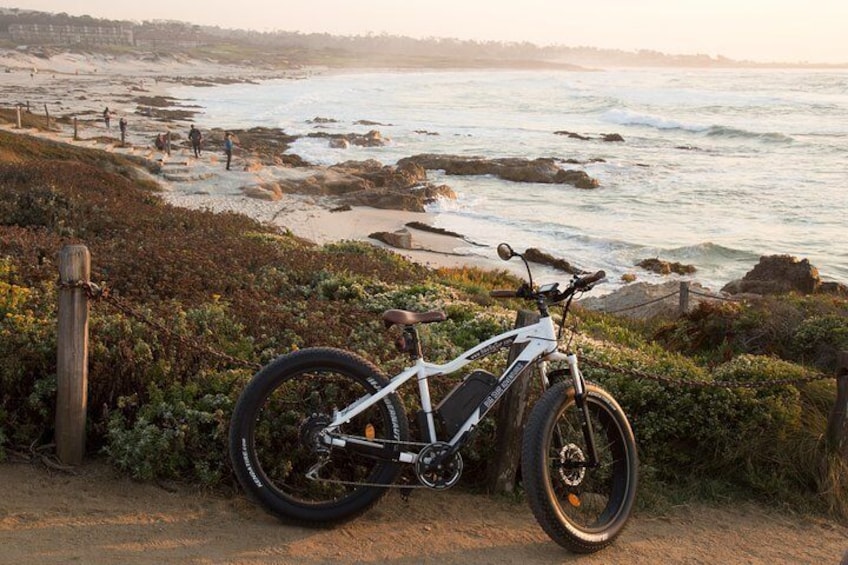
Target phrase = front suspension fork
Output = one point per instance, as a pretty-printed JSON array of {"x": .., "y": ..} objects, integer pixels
[{"x": 583, "y": 407}]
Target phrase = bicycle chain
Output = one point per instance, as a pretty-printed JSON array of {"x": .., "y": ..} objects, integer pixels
[{"x": 364, "y": 484}]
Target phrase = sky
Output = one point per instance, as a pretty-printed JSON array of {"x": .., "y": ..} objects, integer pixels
[{"x": 811, "y": 31}]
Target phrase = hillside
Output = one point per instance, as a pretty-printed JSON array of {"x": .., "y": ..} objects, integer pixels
[{"x": 292, "y": 49}]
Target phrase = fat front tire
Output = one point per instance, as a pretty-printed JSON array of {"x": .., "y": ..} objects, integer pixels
[
  {"x": 273, "y": 434},
  {"x": 582, "y": 508}
]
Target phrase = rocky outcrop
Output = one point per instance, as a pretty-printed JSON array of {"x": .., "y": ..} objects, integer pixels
[
  {"x": 269, "y": 191},
  {"x": 339, "y": 143},
  {"x": 538, "y": 256},
  {"x": 371, "y": 139},
  {"x": 400, "y": 239},
  {"x": 644, "y": 301},
  {"x": 412, "y": 200},
  {"x": 777, "y": 274},
  {"x": 362, "y": 183},
  {"x": 608, "y": 137},
  {"x": 540, "y": 170},
  {"x": 666, "y": 267},
  {"x": 265, "y": 145}
]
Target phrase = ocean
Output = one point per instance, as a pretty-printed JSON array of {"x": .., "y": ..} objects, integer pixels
[{"x": 717, "y": 167}]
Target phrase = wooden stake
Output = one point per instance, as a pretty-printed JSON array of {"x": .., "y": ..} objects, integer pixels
[
  {"x": 72, "y": 354},
  {"x": 837, "y": 425},
  {"x": 510, "y": 418}
]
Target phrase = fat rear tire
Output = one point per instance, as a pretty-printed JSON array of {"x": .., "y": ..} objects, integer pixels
[{"x": 268, "y": 444}]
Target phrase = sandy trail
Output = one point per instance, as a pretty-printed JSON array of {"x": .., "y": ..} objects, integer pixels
[{"x": 97, "y": 517}]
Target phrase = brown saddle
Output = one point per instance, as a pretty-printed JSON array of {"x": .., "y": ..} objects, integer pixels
[{"x": 407, "y": 318}]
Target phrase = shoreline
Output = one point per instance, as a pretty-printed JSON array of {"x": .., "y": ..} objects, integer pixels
[{"x": 204, "y": 183}]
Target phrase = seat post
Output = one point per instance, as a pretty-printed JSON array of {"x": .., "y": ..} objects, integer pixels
[{"x": 413, "y": 342}]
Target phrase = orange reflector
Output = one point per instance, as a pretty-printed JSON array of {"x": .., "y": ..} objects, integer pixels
[
  {"x": 369, "y": 431},
  {"x": 574, "y": 500}
]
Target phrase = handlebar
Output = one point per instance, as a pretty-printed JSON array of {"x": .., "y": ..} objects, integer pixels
[
  {"x": 503, "y": 293},
  {"x": 588, "y": 281},
  {"x": 577, "y": 285}
]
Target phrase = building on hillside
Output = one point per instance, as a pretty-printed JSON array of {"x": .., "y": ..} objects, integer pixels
[
  {"x": 157, "y": 39},
  {"x": 24, "y": 34}
]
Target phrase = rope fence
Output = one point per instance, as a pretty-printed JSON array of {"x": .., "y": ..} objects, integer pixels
[
  {"x": 76, "y": 293},
  {"x": 683, "y": 303}
]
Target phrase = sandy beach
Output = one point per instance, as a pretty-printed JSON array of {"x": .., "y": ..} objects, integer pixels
[{"x": 83, "y": 86}]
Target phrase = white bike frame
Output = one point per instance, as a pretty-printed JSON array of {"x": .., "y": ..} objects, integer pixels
[{"x": 541, "y": 346}]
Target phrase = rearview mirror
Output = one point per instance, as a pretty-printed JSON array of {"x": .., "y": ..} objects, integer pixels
[{"x": 505, "y": 252}]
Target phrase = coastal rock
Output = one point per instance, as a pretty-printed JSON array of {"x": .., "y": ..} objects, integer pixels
[
  {"x": 608, "y": 137},
  {"x": 320, "y": 120},
  {"x": 400, "y": 239},
  {"x": 541, "y": 170},
  {"x": 371, "y": 139},
  {"x": 325, "y": 182},
  {"x": 369, "y": 183},
  {"x": 572, "y": 135},
  {"x": 644, "y": 301},
  {"x": 777, "y": 274},
  {"x": 415, "y": 200},
  {"x": 339, "y": 143},
  {"x": 538, "y": 256},
  {"x": 268, "y": 146},
  {"x": 666, "y": 267},
  {"x": 405, "y": 175},
  {"x": 269, "y": 191}
]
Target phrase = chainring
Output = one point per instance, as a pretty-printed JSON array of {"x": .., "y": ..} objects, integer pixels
[{"x": 437, "y": 470}]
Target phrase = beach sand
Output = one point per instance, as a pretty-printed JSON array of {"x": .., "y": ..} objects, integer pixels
[{"x": 82, "y": 86}]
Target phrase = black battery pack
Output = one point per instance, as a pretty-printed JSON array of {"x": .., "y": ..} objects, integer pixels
[{"x": 466, "y": 396}]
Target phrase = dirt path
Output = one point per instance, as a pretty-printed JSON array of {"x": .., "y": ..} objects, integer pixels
[{"x": 95, "y": 517}]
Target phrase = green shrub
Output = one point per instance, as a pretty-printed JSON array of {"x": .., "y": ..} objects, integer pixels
[
  {"x": 179, "y": 432},
  {"x": 159, "y": 400},
  {"x": 27, "y": 361},
  {"x": 819, "y": 339}
]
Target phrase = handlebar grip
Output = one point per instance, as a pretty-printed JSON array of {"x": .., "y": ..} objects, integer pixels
[
  {"x": 591, "y": 279},
  {"x": 503, "y": 293}
]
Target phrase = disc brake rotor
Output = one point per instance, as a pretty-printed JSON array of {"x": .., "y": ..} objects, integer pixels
[{"x": 571, "y": 468}]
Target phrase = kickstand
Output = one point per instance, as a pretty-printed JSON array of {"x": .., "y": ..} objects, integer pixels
[{"x": 405, "y": 492}]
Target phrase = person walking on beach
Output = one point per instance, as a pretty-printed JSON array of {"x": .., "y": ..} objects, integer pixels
[
  {"x": 122, "y": 124},
  {"x": 107, "y": 116},
  {"x": 195, "y": 137},
  {"x": 228, "y": 148}
]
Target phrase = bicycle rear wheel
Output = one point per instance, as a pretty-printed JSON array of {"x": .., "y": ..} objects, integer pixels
[
  {"x": 274, "y": 437},
  {"x": 580, "y": 507}
]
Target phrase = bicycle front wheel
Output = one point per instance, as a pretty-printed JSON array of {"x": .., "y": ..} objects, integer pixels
[
  {"x": 581, "y": 507},
  {"x": 275, "y": 445}
]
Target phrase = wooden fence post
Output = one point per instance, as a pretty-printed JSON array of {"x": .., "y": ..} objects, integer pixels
[
  {"x": 837, "y": 425},
  {"x": 72, "y": 354},
  {"x": 47, "y": 114},
  {"x": 684, "y": 298},
  {"x": 76, "y": 129},
  {"x": 19, "y": 116},
  {"x": 509, "y": 421}
]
